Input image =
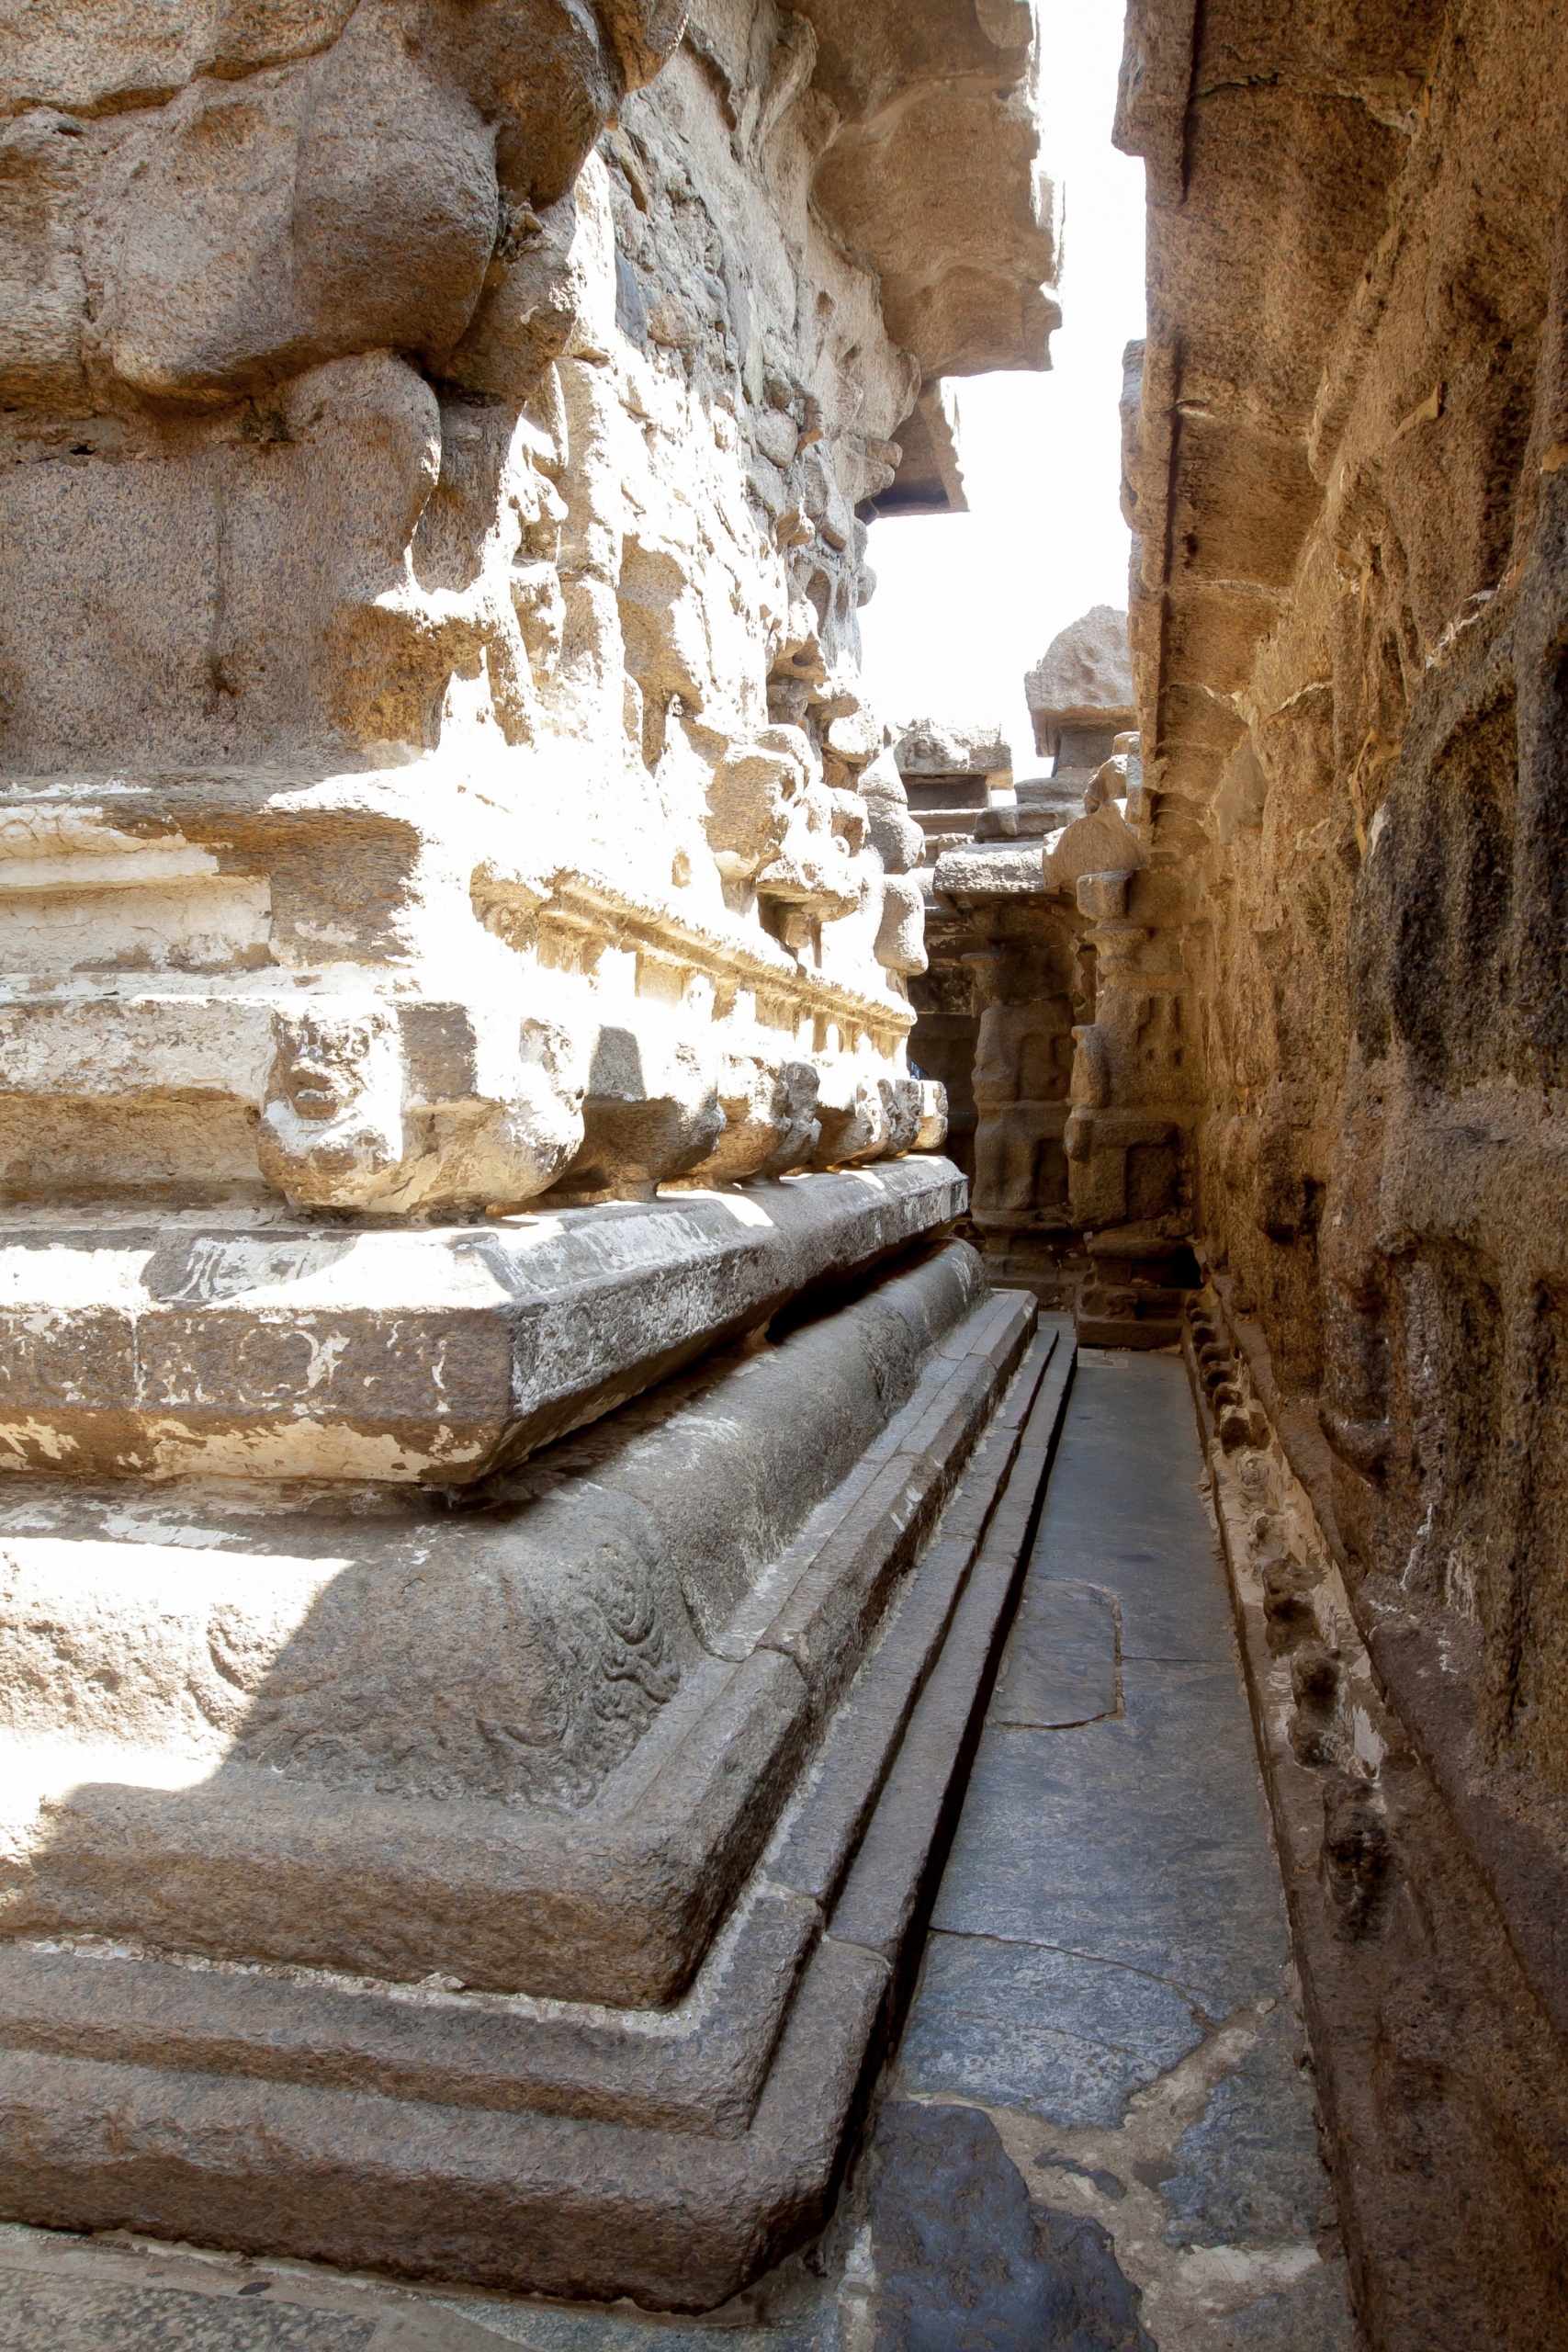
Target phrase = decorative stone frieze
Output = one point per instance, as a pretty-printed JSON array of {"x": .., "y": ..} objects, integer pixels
[{"x": 413, "y": 450}]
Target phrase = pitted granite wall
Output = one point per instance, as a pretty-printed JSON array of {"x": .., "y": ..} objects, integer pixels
[{"x": 1347, "y": 467}]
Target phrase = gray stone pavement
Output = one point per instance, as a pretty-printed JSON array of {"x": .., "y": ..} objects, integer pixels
[
  {"x": 1108, "y": 1978},
  {"x": 1098, "y": 2132}
]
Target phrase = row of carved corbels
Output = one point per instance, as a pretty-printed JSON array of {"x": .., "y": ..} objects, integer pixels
[{"x": 610, "y": 1110}]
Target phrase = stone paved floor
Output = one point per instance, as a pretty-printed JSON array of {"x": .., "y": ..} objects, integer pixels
[
  {"x": 1108, "y": 1980},
  {"x": 1098, "y": 2132}
]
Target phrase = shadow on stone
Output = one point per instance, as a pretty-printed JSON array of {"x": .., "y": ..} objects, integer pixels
[{"x": 968, "y": 2264}]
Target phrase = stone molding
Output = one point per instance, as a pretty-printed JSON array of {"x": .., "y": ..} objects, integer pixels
[
  {"x": 644, "y": 1628},
  {"x": 587, "y": 911},
  {"x": 286, "y": 1350}
]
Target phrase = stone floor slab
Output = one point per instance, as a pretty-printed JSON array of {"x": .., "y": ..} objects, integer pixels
[
  {"x": 1115, "y": 1518},
  {"x": 70, "y": 2318},
  {"x": 1248, "y": 2174},
  {"x": 1142, "y": 1840},
  {"x": 1109, "y": 1973},
  {"x": 968, "y": 2261},
  {"x": 1060, "y": 1667},
  {"x": 1161, "y": 1622},
  {"x": 1023, "y": 2025}
]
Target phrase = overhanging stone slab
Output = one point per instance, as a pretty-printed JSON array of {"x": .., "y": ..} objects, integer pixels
[{"x": 433, "y": 1355}]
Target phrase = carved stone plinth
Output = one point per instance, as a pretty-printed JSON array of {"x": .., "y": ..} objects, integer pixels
[{"x": 514, "y": 1894}]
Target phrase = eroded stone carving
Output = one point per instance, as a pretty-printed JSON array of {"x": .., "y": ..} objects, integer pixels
[
  {"x": 951, "y": 775},
  {"x": 402, "y": 458},
  {"x": 1080, "y": 691},
  {"x": 1058, "y": 983}
]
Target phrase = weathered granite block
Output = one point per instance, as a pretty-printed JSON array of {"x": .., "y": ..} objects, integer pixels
[{"x": 436, "y": 1355}]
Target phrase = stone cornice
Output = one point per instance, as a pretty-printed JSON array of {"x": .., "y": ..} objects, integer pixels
[{"x": 524, "y": 909}]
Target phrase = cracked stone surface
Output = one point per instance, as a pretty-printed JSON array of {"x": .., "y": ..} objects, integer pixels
[
  {"x": 965, "y": 2255},
  {"x": 1068, "y": 2038}
]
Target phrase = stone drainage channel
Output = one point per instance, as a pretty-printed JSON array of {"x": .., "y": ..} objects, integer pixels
[{"x": 1097, "y": 2131}]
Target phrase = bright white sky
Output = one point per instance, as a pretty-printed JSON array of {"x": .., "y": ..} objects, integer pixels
[{"x": 964, "y": 603}]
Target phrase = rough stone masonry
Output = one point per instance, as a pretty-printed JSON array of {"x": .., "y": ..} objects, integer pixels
[
  {"x": 1347, "y": 469},
  {"x": 1302, "y": 1010},
  {"x": 482, "y": 1371}
]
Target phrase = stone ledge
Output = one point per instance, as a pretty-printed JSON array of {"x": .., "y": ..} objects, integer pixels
[
  {"x": 540, "y": 2201},
  {"x": 1414, "y": 1971},
  {"x": 1428, "y": 1671},
  {"x": 699, "y": 2066},
  {"x": 229, "y": 828},
  {"x": 357, "y": 1821},
  {"x": 432, "y": 1355}
]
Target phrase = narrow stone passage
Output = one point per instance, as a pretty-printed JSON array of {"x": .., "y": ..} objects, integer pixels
[
  {"x": 1108, "y": 1975},
  {"x": 1098, "y": 2131}
]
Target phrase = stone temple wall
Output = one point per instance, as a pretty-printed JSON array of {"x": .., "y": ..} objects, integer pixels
[
  {"x": 483, "y": 1350},
  {"x": 1347, "y": 467}
]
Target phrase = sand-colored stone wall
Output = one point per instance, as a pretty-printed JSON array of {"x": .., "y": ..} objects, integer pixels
[
  {"x": 432, "y": 455},
  {"x": 1350, "y": 578}
]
